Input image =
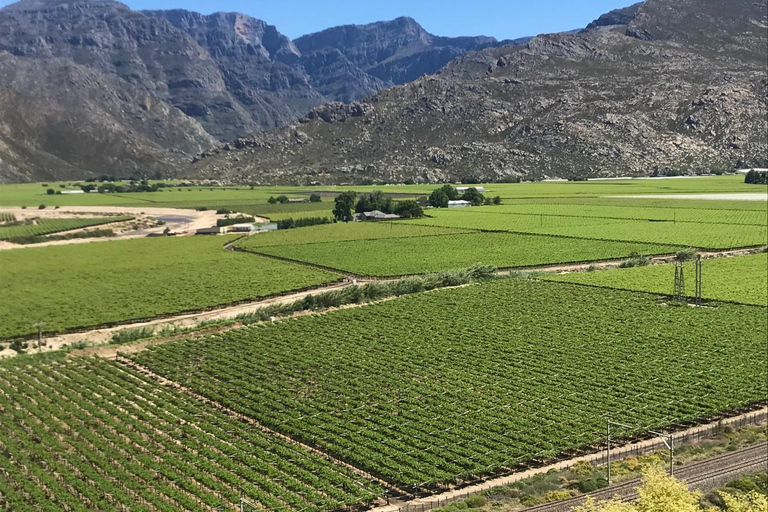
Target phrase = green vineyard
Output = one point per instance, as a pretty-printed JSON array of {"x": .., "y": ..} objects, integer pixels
[
  {"x": 739, "y": 279},
  {"x": 50, "y": 226},
  {"x": 455, "y": 385},
  {"x": 91, "y": 435}
]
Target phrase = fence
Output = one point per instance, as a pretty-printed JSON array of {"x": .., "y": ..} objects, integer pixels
[{"x": 694, "y": 434}]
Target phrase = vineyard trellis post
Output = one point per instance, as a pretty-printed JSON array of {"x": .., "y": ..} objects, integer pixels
[
  {"x": 679, "y": 293},
  {"x": 608, "y": 443},
  {"x": 698, "y": 279},
  {"x": 245, "y": 503},
  {"x": 39, "y": 326}
]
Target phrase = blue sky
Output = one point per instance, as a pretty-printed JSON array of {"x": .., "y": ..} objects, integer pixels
[{"x": 503, "y": 19}]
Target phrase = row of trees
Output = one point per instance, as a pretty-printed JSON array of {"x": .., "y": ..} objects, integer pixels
[
  {"x": 440, "y": 196},
  {"x": 347, "y": 203},
  {"x": 282, "y": 199}
]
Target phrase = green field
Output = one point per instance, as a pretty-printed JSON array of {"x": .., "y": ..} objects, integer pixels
[
  {"x": 692, "y": 234},
  {"x": 91, "y": 435},
  {"x": 344, "y": 232},
  {"x": 100, "y": 283},
  {"x": 49, "y": 226},
  {"x": 468, "y": 382},
  {"x": 33, "y": 194},
  {"x": 416, "y": 255},
  {"x": 741, "y": 279}
]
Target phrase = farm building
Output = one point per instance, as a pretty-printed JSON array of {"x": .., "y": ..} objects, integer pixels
[
  {"x": 263, "y": 228},
  {"x": 210, "y": 231},
  {"x": 298, "y": 200},
  {"x": 461, "y": 190},
  {"x": 375, "y": 215},
  {"x": 241, "y": 228},
  {"x": 460, "y": 203}
]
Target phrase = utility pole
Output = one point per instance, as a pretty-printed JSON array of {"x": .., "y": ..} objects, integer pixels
[
  {"x": 39, "y": 326},
  {"x": 608, "y": 443},
  {"x": 669, "y": 442}
]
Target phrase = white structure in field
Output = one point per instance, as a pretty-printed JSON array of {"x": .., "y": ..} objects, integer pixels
[{"x": 460, "y": 203}]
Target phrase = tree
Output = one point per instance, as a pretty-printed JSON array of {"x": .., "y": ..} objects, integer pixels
[
  {"x": 343, "y": 204},
  {"x": 438, "y": 198},
  {"x": 409, "y": 209},
  {"x": 315, "y": 198},
  {"x": 282, "y": 199},
  {"x": 473, "y": 196},
  {"x": 497, "y": 200},
  {"x": 450, "y": 191},
  {"x": 376, "y": 200},
  {"x": 50, "y": 191},
  {"x": 271, "y": 200}
]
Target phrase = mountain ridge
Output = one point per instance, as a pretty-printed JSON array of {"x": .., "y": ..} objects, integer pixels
[{"x": 625, "y": 99}]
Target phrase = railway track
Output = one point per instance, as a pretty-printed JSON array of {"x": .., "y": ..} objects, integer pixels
[{"x": 703, "y": 475}]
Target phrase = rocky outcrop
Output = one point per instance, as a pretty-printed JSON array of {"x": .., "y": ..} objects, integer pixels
[
  {"x": 623, "y": 16},
  {"x": 598, "y": 103}
]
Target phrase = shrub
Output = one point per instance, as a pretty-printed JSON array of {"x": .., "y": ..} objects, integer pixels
[
  {"x": 128, "y": 335},
  {"x": 234, "y": 220},
  {"x": 222, "y": 211},
  {"x": 282, "y": 199},
  {"x": 41, "y": 207},
  {"x": 582, "y": 468},
  {"x": 689, "y": 254},
  {"x": 592, "y": 484},
  {"x": 556, "y": 495},
  {"x": 50, "y": 191},
  {"x": 635, "y": 260},
  {"x": 271, "y": 200},
  {"x": 476, "y": 501},
  {"x": 315, "y": 198}
]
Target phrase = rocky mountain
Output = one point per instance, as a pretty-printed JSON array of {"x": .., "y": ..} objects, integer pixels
[
  {"x": 395, "y": 52},
  {"x": 678, "y": 86},
  {"x": 623, "y": 16},
  {"x": 207, "y": 78}
]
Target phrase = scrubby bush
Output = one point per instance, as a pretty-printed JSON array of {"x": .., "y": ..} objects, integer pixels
[
  {"x": 128, "y": 335},
  {"x": 476, "y": 501},
  {"x": 635, "y": 260},
  {"x": 689, "y": 254},
  {"x": 315, "y": 198}
]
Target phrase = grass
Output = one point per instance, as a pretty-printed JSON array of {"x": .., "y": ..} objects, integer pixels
[
  {"x": 85, "y": 285},
  {"x": 393, "y": 257},
  {"x": 738, "y": 279},
  {"x": 468, "y": 382}
]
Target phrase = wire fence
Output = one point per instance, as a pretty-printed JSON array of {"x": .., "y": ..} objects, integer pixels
[{"x": 692, "y": 435}]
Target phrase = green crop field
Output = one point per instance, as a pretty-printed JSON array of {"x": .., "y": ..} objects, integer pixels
[
  {"x": 416, "y": 255},
  {"x": 7, "y": 217},
  {"x": 344, "y": 232},
  {"x": 739, "y": 279},
  {"x": 693, "y": 234},
  {"x": 91, "y": 435},
  {"x": 468, "y": 382},
  {"x": 99, "y": 283},
  {"x": 50, "y": 226},
  {"x": 700, "y": 215}
]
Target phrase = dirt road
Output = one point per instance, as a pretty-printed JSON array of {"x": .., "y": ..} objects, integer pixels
[{"x": 179, "y": 221}]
